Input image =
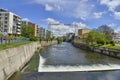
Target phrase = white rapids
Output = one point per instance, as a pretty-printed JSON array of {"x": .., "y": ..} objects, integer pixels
[{"x": 95, "y": 67}]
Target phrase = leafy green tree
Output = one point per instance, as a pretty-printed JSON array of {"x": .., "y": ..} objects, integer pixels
[
  {"x": 95, "y": 37},
  {"x": 27, "y": 31},
  {"x": 59, "y": 40}
]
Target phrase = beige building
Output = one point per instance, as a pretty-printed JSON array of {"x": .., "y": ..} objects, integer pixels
[
  {"x": 9, "y": 22},
  {"x": 82, "y": 33}
]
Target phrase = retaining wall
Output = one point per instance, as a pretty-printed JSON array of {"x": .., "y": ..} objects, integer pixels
[
  {"x": 102, "y": 50},
  {"x": 13, "y": 59}
]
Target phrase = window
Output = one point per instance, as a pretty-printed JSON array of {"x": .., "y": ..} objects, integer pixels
[
  {"x": 6, "y": 18},
  {"x": 5, "y": 26},
  {"x": 5, "y": 30},
  {"x": 6, "y": 14},
  {"x": 6, "y": 22}
]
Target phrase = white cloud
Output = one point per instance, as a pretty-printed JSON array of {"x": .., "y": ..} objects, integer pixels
[
  {"x": 98, "y": 14},
  {"x": 48, "y": 7},
  {"x": 60, "y": 29},
  {"x": 117, "y": 30},
  {"x": 74, "y": 8},
  {"x": 111, "y": 4},
  {"x": 117, "y": 15},
  {"x": 52, "y": 21},
  {"x": 112, "y": 25},
  {"x": 79, "y": 25},
  {"x": 25, "y": 19}
]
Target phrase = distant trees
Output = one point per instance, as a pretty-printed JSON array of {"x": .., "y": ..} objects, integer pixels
[
  {"x": 59, "y": 40},
  {"x": 27, "y": 31},
  {"x": 108, "y": 31},
  {"x": 95, "y": 37}
]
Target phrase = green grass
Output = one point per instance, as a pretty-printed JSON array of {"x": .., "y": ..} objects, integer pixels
[
  {"x": 12, "y": 45},
  {"x": 110, "y": 46}
]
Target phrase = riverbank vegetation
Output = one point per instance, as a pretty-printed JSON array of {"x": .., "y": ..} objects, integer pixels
[
  {"x": 11, "y": 45},
  {"x": 59, "y": 40},
  {"x": 102, "y": 37}
]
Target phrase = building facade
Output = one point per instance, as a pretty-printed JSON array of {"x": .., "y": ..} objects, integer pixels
[
  {"x": 10, "y": 22},
  {"x": 35, "y": 26},
  {"x": 116, "y": 37},
  {"x": 82, "y": 33},
  {"x": 42, "y": 32},
  {"x": 49, "y": 34}
]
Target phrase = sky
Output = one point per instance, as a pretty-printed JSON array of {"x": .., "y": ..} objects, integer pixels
[{"x": 79, "y": 13}]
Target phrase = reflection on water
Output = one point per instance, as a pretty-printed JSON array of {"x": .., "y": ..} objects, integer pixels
[{"x": 66, "y": 54}]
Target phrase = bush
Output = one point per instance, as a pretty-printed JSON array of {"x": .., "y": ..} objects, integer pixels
[
  {"x": 107, "y": 42},
  {"x": 112, "y": 43},
  {"x": 59, "y": 40},
  {"x": 101, "y": 42},
  {"x": 33, "y": 38}
]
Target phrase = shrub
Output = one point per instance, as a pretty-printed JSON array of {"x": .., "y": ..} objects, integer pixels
[
  {"x": 112, "y": 43},
  {"x": 32, "y": 38},
  {"x": 100, "y": 42}
]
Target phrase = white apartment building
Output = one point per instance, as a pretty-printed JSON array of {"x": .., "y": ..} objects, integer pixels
[
  {"x": 10, "y": 22},
  {"x": 116, "y": 37}
]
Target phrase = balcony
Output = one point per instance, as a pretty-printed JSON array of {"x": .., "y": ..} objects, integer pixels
[{"x": 18, "y": 30}]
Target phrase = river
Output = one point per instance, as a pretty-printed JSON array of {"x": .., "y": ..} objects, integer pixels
[{"x": 65, "y": 62}]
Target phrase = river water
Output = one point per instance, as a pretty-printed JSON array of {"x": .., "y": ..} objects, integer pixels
[{"x": 65, "y": 62}]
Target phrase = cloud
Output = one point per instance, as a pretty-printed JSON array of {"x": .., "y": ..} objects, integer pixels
[
  {"x": 111, "y": 4},
  {"x": 73, "y": 8},
  {"x": 117, "y": 15},
  {"x": 25, "y": 19},
  {"x": 112, "y": 25},
  {"x": 98, "y": 14},
  {"x": 60, "y": 29},
  {"x": 48, "y": 7},
  {"x": 79, "y": 25}
]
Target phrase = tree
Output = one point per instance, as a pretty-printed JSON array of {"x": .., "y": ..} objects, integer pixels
[
  {"x": 59, "y": 40},
  {"x": 95, "y": 37},
  {"x": 106, "y": 30},
  {"x": 27, "y": 31}
]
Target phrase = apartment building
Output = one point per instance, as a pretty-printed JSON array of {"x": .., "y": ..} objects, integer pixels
[
  {"x": 10, "y": 22},
  {"x": 35, "y": 26},
  {"x": 116, "y": 37}
]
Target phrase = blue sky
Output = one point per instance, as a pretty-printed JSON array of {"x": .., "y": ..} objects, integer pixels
[{"x": 83, "y": 13}]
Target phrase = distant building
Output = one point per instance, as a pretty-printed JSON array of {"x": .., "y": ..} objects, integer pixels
[
  {"x": 116, "y": 37},
  {"x": 42, "y": 32},
  {"x": 35, "y": 26},
  {"x": 10, "y": 22},
  {"x": 82, "y": 33},
  {"x": 49, "y": 34},
  {"x": 70, "y": 36}
]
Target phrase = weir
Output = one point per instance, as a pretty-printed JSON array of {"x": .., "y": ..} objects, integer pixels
[{"x": 68, "y": 68}]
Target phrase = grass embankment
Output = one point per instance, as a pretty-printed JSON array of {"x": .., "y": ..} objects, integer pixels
[
  {"x": 12, "y": 45},
  {"x": 107, "y": 46},
  {"x": 110, "y": 46}
]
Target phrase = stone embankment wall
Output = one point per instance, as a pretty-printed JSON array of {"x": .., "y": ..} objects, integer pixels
[
  {"x": 13, "y": 59},
  {"x": 102, "y": 50}
]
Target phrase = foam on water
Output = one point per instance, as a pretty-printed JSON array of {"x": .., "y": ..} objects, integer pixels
[{"x": 94, "y": 67}]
